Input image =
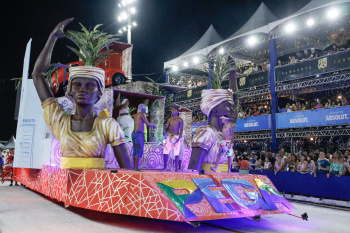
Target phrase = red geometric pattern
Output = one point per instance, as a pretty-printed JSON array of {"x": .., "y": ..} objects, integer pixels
[{"x": 132, "y": 193}]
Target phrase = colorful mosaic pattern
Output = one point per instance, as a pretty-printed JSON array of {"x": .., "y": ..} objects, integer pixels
[{"x": 168, "y": 196}]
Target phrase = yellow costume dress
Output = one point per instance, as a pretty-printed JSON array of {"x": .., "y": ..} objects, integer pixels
[{"x": 81, "y": 150}]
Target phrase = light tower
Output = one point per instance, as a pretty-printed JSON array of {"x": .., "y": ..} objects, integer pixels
[{"x": 127, "y": 11}]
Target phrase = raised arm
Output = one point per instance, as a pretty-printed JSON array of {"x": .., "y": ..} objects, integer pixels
[
  {"x": 118, "y": 103},
  {"x": 43, "y": 62}
]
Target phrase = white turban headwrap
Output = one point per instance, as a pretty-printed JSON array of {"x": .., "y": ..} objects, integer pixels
[
  {"x": 140, "y": 107},
  {"x": 124, "y": 101},
  {"x": 213, "y": 97},
  {"x": 90, "y": 72}
]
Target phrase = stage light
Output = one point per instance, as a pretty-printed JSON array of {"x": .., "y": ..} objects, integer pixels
[
  {"x": 133, "y": 10},
  {"x": 119, "y": 19},
  {"x": 245, "y": 140},
  {"x": 311, "y": 139},
  {"x": 221, "y": 51},
  {"x": 120, "y": 31},
  {"x": 175, "y": 68},
  {"x": 134, "y": 24},
  {"x": 310, "y": 22},
  {"x": 123, "y": 15},
  {"x": 252, "y": 40},
  {"x": 119, "y": 5},
  {"x": 124, "y": 28},
  {"x": 124, "y": 3},
  {"x": 333, "y": 13},
  {"x": 185, "y": 64},
  {"x": 196, "y": 60},
  {"x": 129, "y": 26},
  {"x": 290, "y": 28},
  {"x": 339, "y": 96}
]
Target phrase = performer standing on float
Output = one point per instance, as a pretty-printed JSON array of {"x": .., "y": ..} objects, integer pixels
[
  {"x": 124, "y": 119},
  {"x": 138, "y": 139},
  {"x": 215, "y": 103},
  {"x": 226, "y": 144},
  {"x": 82, "y": 136},
  {"x": 145, "y": 102},
  {"x": 173, "y": 141}
]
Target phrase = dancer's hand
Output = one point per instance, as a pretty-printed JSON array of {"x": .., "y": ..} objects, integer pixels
[{"x": 58, "y": 31}]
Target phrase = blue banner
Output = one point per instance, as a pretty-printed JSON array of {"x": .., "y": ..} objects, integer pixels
[
  {"x": 196, "y": 125},
  {"x": 320, "y": 117},
  {"x": 253, "y": 123}
]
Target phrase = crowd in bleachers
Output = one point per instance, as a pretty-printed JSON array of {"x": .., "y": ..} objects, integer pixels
[{"x": 313, "y": 163}]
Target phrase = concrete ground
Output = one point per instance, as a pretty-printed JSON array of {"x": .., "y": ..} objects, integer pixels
[{"x": 23, "y": 210}]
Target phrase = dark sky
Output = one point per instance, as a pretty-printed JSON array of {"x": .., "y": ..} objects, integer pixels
[{"x": 166, "y": 29}]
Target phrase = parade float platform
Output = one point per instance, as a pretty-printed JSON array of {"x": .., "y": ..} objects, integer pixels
[{"x": 182, "y": 196}]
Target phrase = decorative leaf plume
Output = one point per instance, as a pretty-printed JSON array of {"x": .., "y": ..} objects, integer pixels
[
  {"x": 218, "y": 67},
  {"x": 90, "y": 44}
]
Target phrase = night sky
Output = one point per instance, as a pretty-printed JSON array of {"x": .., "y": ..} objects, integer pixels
[{"x": 166, "y": 29}]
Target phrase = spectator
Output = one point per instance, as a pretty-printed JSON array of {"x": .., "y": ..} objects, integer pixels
[
  {"x": 279, "y": 164},
  {"x": 267, "y": 164},
  {"x": 328, "y": 104},
  {"x": 318, "y": 104},
  {"x": 347, "y": 165},
  {"x": 298, "y": 56},
  {"x": 345, "y": 102},
  {"x": 242, "y": 164},
  {"x": 338, "y": 103},
  {"x": 337, "y": 164},
  {"x": 306, "y": 54},
  {"x": 322, "y": 165},
  {"x": 311, "y": 163},
  {"x": 313, "y": 54},
  {"x": 293, "y": 163},
  {"x": 279, "y": 63},
  {"x": 302, "y": 166}
]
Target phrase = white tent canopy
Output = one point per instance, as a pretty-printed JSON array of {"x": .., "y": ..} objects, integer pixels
[
  {"x": 11, "y": 143},
  {"x": 262, "y": 21},
  {"x": 262, "y": 17},
  {"x": 209, "y": 38}
]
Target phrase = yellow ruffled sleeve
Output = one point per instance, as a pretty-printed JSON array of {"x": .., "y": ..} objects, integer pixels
[
  {"x": 113, "y": 132},
  {"x": 204, "y": 138},
  {"x": 54, "y": 116}
]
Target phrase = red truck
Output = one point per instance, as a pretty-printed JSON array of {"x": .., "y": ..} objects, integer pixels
[{"x": 113, "y": 65}]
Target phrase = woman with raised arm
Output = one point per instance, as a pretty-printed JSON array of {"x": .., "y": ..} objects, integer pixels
[{"x": 83, "y": 136}]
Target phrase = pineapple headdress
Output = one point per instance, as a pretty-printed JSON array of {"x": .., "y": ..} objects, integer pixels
[{"x": 90, "y": 44}]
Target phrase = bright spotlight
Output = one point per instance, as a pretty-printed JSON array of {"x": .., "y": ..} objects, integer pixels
[
  {"x": 333, "y": 13},
  {"x": 129, "y": 26},
  {"x": 196, "y": 60},
  {"x": 119, "y": 19},
  {"x": 252, "y": 40},
  {"x": 119, "y": 5},
  {"x": 221, "y": 51},
  {"x": 124, "y": 28},
  {"x": 133, "y": 10},
  {"x": 175, "y": 68},
  {"x": 339, "y": 96},
  {"x": 185, "y": 64},
  {"x": 311, "y": 139},
  {"x": 290, "y": 28},
  {"x": 120, "y": 31},
  {"x": 134, "y": 24},
  {"x": 310, "y": 22},
  {"x": 124, "y": 15},
  {"x": 124, "y": 3}
]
